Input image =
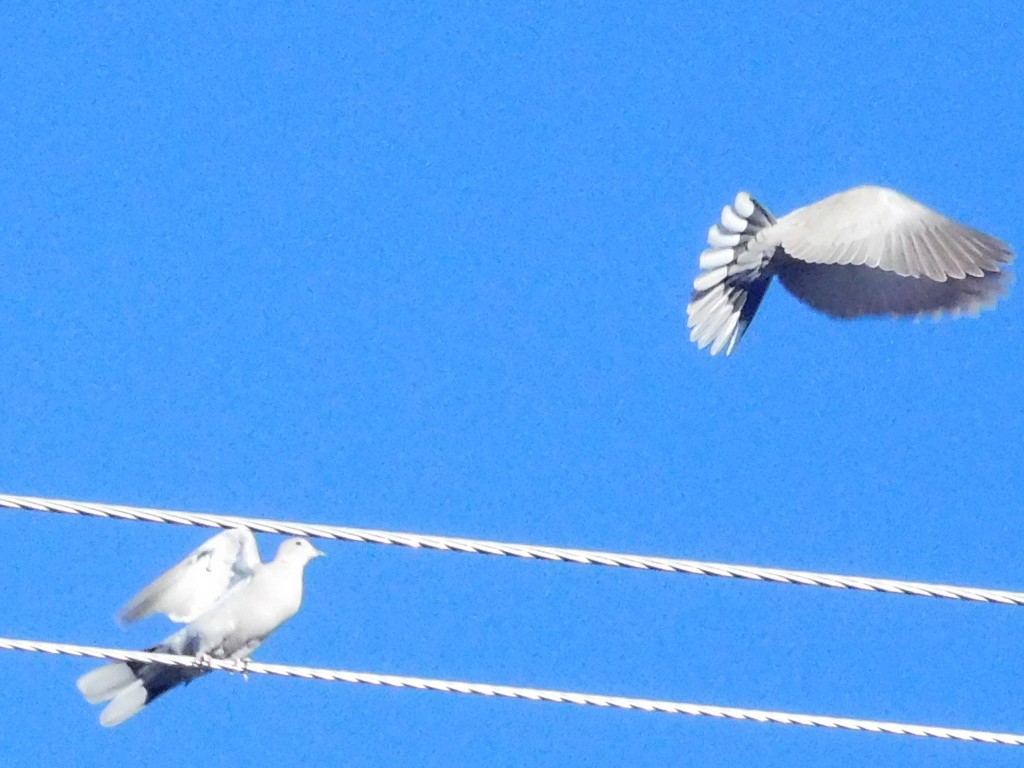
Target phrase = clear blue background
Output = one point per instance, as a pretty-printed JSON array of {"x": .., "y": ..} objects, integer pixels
[{"x": 424, "y": 267}]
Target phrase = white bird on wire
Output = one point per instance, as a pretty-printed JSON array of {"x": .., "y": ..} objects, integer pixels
[
  {"x": 865, "y": 251},
  {"x": 230, "y": 602}
]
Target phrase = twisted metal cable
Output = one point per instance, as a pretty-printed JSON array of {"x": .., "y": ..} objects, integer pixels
[
  {"x": 526, "y": 551},
  {"x": 515, "y": 692}
]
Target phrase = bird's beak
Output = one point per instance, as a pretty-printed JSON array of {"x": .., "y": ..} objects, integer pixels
[{"x": 319, "y": 553}]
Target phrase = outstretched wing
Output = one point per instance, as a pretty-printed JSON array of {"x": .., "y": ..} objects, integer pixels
[
  {"x": 871, "y": 251},
  {"x": 192, "y": 586},
  {"x": 847, "y": 291}
]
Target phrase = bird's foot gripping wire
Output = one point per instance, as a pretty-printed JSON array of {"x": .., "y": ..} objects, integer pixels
[
  {"x": 203, "y": 662},
  {"x": 244, "y": 667}
]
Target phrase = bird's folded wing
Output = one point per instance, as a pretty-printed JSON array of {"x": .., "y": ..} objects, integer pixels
[
  {"x": 883, "y": 229},
  {"x": 192, "y": 586}
]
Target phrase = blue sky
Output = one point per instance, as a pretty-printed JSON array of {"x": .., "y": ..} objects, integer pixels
[{"x": 424, "y": 267}]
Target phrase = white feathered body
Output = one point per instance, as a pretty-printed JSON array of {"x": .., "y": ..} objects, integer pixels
[
  {"x": 246, "y": 615},
  {"x": 236, "y": 622}
]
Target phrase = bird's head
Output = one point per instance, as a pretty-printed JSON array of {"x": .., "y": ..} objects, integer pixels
[{"x": 298, "y": 550}]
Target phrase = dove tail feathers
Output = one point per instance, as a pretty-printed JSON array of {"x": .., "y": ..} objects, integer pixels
[
  {"x": 733, "y": 278},
  {"x": 130, "y": 686},
  {"x": 106, "y": 682},
  {"x": 128, "y": 703}
]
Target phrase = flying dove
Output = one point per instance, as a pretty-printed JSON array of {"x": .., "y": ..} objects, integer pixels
[
  {"x": 254, "y": 599},
  {"x": 865, "y": 251}
]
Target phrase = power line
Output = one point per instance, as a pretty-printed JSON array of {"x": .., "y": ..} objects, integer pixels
[
  {"x": 526, "y": 551},
  {"x": 516, "y": 692}
]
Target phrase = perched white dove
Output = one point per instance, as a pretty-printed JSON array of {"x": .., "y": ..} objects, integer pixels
[
  {"x": 233, "y": 624},
  {"x": 865, "y": 251}
]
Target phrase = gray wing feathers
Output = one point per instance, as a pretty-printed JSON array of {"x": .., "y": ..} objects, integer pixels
[
  {"x": 192, "y": 586},
  {"x": 848, "y": 291},
  {"x": 883, "y": 229},
  {"x": 865, "y": 251},
  {"x": 873, "y": 251}
]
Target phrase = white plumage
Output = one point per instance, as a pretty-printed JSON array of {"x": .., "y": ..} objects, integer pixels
[
  {"x": 188, "y": 589},
  {"x": 245, "y": 599},
  {"x": 865, "y": 251}
]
